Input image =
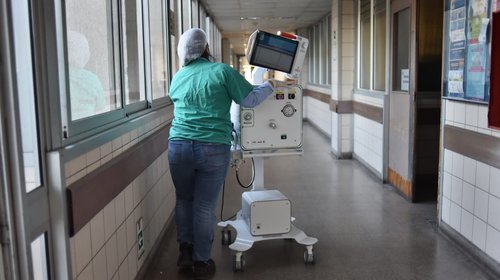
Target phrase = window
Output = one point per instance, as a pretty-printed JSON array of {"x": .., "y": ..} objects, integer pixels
[
  {"x": 158, "y": 50},
  {"x": 194, "y": 13},
  {"x": 133, "y": 53},
  {"x": 401, "y": 49},
  {"x": 93, "y": 59},
  {"x": 319, "y": 52},
  {"x": 186, "y": 15},
  {"x": 172, "y": 23},
  {"x": 26, "y": 96},
  {"x": 372, "y": 36}
]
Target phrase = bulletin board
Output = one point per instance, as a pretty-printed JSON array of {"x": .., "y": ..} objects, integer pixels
[{"x": 466, "y": 73}]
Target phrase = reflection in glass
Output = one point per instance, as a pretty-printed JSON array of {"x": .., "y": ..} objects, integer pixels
[
  {"x": 158, "y": 49},
  {"x": 87, "y": 93},
  {"x": 39, "y": 258},
  {"x": 92, "y": 57}
]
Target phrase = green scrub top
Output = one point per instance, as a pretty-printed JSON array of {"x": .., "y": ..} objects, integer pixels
[{"x": 202, "y": 92}]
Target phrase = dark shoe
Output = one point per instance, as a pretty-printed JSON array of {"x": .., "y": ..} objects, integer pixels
[
  {"x": 185, "y": 260},
  {"x": 203, "y": 270}
]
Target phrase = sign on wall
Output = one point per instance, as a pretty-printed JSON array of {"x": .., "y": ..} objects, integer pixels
[{"x": 467, "y": 56}]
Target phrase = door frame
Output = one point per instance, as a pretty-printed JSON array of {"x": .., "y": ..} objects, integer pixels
[{"x": 397, "y": 6}]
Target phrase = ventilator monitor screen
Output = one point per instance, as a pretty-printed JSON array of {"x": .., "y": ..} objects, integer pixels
[{"x": 273, "y": 52}]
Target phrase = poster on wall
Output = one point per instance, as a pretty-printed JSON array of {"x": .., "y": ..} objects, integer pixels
[
  {"x": 457, "y": 49},
  {"x": 477, "y": 51}
]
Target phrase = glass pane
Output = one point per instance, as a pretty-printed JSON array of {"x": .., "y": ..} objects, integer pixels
[
  {"x": 329, "y": 51},
  {"x": 316, "y": 54},
  {"x": 158, "y": 55},
  {"x": 26, "y": 94},
  {"x": 174, "y": 60},
  {"x": 203, "y": 15},
  {"x": 133, "y": 52},
  {"x": 379, "y": 37},
  {"x": 195, "y": 15},
  {"x": 39, "y": 258},
  {"x": 92, "y": 58},
  {"x": 401, "y": 50},
  {"x": 364, "y": 44},
  {"x": 186, "y": 15}
]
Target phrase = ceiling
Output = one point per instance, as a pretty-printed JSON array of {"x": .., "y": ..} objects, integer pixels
[{"x": 237, "y": 19}]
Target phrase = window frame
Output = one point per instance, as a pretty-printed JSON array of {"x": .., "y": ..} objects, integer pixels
[{"x": 372, "y": 42}]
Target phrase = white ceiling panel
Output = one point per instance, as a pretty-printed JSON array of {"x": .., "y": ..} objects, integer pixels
[{"x": 239, "y": 18}]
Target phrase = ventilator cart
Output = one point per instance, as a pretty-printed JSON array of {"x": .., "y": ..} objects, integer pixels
[{"x": 273, "y": 128}]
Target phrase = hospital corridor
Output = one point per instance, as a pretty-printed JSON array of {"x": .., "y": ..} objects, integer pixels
[{"x": 249, "y": 139}]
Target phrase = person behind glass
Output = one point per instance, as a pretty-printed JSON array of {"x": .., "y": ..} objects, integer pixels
[
  {"x": 86, "y": 91},
  {"x": 199, "y": 144}
]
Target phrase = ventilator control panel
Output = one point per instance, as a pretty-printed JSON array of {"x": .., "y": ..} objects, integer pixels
[{"x": 275, "y": 123}]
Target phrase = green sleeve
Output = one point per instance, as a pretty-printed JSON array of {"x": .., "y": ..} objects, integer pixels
[{"x": 236, "y": 85}]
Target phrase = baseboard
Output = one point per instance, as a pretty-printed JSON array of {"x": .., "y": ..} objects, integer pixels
[{"x": 485, "y": 262}]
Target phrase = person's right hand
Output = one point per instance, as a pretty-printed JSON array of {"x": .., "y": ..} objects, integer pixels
[{"x": 276, "y": 83}]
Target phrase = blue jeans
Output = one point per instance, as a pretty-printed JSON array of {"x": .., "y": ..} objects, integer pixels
[{"x": 198, "y": 171}]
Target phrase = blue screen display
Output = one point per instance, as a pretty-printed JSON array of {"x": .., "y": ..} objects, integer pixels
[{"x": 273, "y": 52}]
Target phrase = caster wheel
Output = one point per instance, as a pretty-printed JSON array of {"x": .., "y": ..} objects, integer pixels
[
  {"x": 308, "y": 258},
  {"x": 226, "y": 237},
  {"x": 238, "y": 264}
]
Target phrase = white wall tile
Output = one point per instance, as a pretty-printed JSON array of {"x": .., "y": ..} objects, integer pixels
[
  {"x": 83, "y": 248},
  {"x": 466, "y": 224},
  {"x": 450, "y": 110},
  {"x": 469, "y": 170},
  {"x": 120, "y": 208},
  {"x": 106, "y": 149},
  {"x": 93, "y": 156},
  {"x": 459, "y": 114},
  {"x": 456, "y": 190},
  {"x": 99, "y": 265},
  {"x": 495, "y": 181},
  {"x": 131, "y": 231},
  {"x": 468, "y": 197},
  {"x": 493, "y": 243},
  {"x": 479, "y": 234},
  {"x": 123, "y": 271},
  {"x": 112, "y": 256},
  {"x": 482, "y": 120},
  {"x": 448, "y": 159},
  {"x": 455, "y": 216},
  {"x": 471, "y": 113},
  {"x": 481, "y": 204},
  {"x": 116, "y": 143},
  {"x": 132, "y": 263},
  {"x": 483, "y": 176},
  {"x": 87, "y": 273},
  {"x": 73, "y": 257},
  {"x": 129, "y": 199},
  {"x": 109, "y": 219},
  {"x": 494, "y": 212},
  {"x": 458, "y": 165},
  {"x": 97, "y": 232},
  {"x": 121, "y": 242}
]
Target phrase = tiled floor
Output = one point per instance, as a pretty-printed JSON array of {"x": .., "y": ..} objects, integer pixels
[{"x": 365, "y": 229}]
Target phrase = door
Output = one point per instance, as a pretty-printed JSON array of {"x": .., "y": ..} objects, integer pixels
[
  {"x": 24, "y": 195},
  {"x": 415, "y": 98},
  {"x": 401, "y": 107}
]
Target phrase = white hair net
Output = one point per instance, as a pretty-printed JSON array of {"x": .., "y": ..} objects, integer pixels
[
  {"x": 78, "y": 49},
  {"x": 192, "y": 45}
]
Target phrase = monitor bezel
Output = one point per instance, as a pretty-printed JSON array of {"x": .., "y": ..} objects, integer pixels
[{"x": 255, "y": 45}]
